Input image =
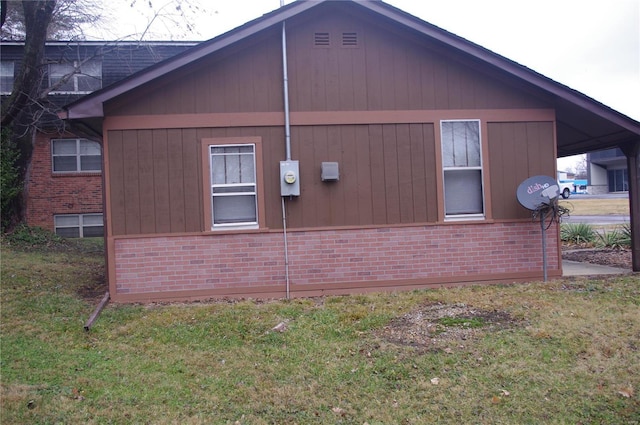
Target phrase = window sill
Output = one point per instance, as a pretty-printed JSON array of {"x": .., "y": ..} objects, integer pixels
[
  {"x": 66, "y": 93},
  {"x": 235, "y": 228},
  {"x": 76, "y": 173},
  {"x": 468, "y": 217}
]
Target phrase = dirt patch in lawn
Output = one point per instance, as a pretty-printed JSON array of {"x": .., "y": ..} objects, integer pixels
[
  {"x": 603, "y": 256},
  {"x": 95, "y": 287},
  {"x": 437, "y": 326}
]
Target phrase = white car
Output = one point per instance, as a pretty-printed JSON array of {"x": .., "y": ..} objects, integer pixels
[{"x": 565, "y": 189}]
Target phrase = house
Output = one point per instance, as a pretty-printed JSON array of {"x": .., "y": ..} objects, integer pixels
[
  {"x": 64, "y": 183},
  {"x": 607, "y": 171},
  {"x": 329, "y": 148}
]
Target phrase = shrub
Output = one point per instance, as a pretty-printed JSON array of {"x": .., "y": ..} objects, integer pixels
[
  {"x": 34, "y": 239},
  {"x": 614, "y": 239},
  {"x": 617, "y": 238},
  {"x": 26, "y": 237},
  {"x": 577, "y": 233},
  {"x": 10, "y": 187}
]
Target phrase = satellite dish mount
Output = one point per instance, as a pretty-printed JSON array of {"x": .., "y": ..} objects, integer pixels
[{"x": 539, "y": 194}]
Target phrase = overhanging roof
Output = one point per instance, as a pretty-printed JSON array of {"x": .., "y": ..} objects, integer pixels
[{"x": 583, "y": 124}]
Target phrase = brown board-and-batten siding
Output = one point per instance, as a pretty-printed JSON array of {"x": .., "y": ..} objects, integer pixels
[
  {"x": 387, "y": 175},
  {"x": 518, "y": 150},
  {"x": 155, "y": 178},
  {"x": 154, "y": 182}
]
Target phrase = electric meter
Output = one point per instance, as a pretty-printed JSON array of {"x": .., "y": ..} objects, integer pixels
[
  {"x": 290, "y": 177},
  {"x": 289, "y": 182}
]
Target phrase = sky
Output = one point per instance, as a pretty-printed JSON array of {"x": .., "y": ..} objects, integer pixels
[{"x": 592, "y": 46}]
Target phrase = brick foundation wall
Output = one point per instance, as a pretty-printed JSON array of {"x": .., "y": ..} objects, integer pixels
[
  {"x": 225, "y": 263},
  {"x": 49, "y": 194},
  {"x": 598, "y": 189}
]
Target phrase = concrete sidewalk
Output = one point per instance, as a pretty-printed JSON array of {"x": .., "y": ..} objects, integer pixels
[{"x": 575, "y": 268}]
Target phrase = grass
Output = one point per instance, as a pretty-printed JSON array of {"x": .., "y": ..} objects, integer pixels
[
  {"x": 595, "y": 206},
  {"x": 571, "y": 354}
]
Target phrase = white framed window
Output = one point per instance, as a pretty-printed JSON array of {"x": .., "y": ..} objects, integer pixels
[
  {"x": 84, "y": 78},
  {"x": 79, "y": 225},
  {"x": 6, "y": 76},
  {"x": 462, "y": 169},
  {"x": 75, "y": 156},
  {"x": 234, "y": 200}
]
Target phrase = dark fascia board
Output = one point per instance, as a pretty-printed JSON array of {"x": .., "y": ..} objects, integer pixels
[
  {"x": 91, "y": 105},
  {"x": 62, "y": 43}
]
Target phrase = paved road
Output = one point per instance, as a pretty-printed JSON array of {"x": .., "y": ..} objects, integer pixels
[
  {"x": 600, "y": 220},
  {"x": 602, "y": 196}
]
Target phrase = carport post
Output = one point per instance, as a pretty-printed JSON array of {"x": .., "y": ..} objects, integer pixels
[{"x": 632, "y": 152}]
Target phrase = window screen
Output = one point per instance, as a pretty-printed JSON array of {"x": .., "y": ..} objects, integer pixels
[
  {"x": 75, "y": 155},
  {"x": 462, "y": 168},
  {"x": 233, "y": 185},
  {"x": 75, "y": 77},
  {"x": 6, "y": 76},
  {"x": 79, "y": 225}
]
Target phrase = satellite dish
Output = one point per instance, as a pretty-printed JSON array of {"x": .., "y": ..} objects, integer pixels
[
  {"x": 533, "y": 193},
  {"x": 537, "y": 190}
]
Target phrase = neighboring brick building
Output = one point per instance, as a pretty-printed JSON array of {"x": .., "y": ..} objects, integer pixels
[
  {"x": 65, "y": 199},
  {"x": 64, "y": 181}
]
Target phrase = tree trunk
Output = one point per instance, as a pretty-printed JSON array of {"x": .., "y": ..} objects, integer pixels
[
  {"x": 37, "y": 15},
  {"x": 18, "y": 110},
  {"x": 3, "y": 12}
]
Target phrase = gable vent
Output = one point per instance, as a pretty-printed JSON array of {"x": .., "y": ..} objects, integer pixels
[
  {"x": 321, "y": 39},
  {"x": 349, "y": 39}
]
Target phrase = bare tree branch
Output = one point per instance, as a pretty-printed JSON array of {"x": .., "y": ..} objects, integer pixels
[{"x": 37, "y": 15}]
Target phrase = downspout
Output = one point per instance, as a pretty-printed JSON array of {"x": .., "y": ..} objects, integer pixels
[
  {"x": 285, "y": 76},
  {"x": 286, "y": 248},
  {"x": 287, "y": 137}
]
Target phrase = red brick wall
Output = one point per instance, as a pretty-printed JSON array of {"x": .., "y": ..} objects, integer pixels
[
  {"x": 219, "y": 263},
  {"x": 49, "y": 194}
]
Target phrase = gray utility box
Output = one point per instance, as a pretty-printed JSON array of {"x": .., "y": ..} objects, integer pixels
[
  {"x": 289, "y": 178},
  {"x": 330, "y": 172}
]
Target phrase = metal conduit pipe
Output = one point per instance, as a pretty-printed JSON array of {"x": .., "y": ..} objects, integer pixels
[
  {"x": 285, "y": 76},
  {"x": 286, "y": 248},
  {"x": 287, "y": 137}
]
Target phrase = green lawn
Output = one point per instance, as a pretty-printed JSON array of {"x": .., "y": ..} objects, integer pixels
[
  {"x": 596, "y": 206},
  {"x": 563, "y": 352}
]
